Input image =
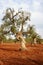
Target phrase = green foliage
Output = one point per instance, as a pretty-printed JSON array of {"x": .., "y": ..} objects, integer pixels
[
  {"x": 2, "y": 38},
  {"x": 38, "y": 38},
  {"x": 28, "y": 40},
  {"x": 13, "y": 21},
  {"x": 13, "y": 29},
  {"x": 33, "y": 35}
]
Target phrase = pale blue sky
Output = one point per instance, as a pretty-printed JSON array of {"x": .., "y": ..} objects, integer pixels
[{"x": 34, "y": 6}]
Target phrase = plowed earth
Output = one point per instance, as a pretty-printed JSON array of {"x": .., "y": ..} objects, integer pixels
[{"x": 11, "y": 55}]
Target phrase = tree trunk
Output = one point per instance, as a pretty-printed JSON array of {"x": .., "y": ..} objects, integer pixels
[
  {"x": 22, "y": 41},
  {"x": 35, "y": 41}
]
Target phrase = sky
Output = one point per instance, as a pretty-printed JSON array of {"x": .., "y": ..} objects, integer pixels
[{"x": 35, "y": 7}]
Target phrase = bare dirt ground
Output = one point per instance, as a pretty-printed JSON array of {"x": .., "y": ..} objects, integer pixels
[{"x": 11, "y": 55}]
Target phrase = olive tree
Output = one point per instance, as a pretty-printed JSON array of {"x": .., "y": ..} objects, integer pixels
[
  {"x": 14, "y": 24},
  {"x": 33, "y": 35}
]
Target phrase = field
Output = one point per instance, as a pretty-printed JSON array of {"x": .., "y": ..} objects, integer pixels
[{"x": 11, "y": 55}]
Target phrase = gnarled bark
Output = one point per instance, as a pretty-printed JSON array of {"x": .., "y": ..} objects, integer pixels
[{"x": 22, "y": 41}]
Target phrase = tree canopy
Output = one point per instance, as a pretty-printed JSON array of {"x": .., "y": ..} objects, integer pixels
[{"x": 13, "y": 23}]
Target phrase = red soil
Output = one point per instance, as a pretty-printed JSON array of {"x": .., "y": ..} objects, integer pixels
[{"x": 11, "y": 55}]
